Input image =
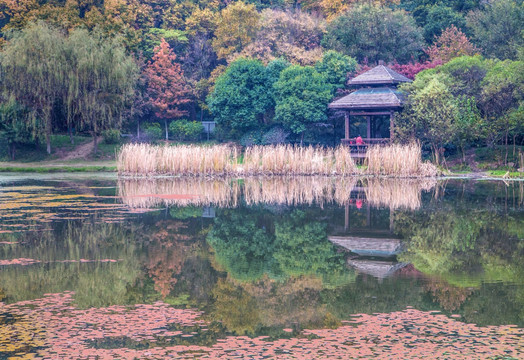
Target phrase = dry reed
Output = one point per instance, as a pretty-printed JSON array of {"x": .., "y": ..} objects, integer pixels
[
  {"x": 190, "y": 160},
  {"x": 398, "y": 160},
  {"x": 297, "y": 160},
  {"x": 298, "y": 190},
  {"x": 144, "y": 160}
]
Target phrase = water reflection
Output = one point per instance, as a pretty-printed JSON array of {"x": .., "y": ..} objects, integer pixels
[
  {"x": 264, "y": 258},
  {"x": 291, "y": 191}
]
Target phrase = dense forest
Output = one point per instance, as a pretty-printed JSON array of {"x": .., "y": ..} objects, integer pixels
[{"x": 263, "y": 70}]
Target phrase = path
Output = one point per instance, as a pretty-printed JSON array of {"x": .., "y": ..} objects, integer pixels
[{"x": 79, "y": 152}]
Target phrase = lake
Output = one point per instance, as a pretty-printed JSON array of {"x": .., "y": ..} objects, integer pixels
[{"x": 92, "y": 266}]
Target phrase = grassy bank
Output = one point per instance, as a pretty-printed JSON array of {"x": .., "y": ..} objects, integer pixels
[
  {"x": 142, "y": 160},
  {"x": 56, "y": 169}
]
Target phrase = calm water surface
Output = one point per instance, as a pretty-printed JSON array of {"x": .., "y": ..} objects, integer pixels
[{"x": 92, "y": 266}]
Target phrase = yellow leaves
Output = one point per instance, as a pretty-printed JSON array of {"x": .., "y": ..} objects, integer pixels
[
  {"x": 30, "y": 204},
  {"x": 236, "y": 27},
  {"x": 201, "y": 20},
  {"x": 22, "y": 334}
]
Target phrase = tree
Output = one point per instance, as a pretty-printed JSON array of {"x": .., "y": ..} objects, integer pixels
[
  {"x": 100, "y": 81},
  {"x": 335, "y": 67},
  {"x": 502, "y": 94},
  {"x": 411, "y": 69},
  {"x": 450, "y": 44},
  {"x": 497, "y": 28},
  {"x": 33, "y": 73},
  {"x": 292, "y": 35},
  {"x": 14, "y": 125},
  {"x": 302, "y": 95},
  {"x": 241, "y": 96},
  {"x": 429, "y": 113},
  {"x": 236, "y": 26},
  {"x": 468, "y": 126},
  {"x": 167, "y": 87},
  {"x": 372, "y": 33},
  {"x": 440, "y": 17}
]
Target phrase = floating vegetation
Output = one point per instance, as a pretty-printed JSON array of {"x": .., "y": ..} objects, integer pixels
[
  {"x": 65, "y": 332},
  {"x": 32, "y": 207}
]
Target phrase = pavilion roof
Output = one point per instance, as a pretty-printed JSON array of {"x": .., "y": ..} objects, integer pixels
[
  {"x": 379, "y": 75},
  {"x": 370, "y": 98}
]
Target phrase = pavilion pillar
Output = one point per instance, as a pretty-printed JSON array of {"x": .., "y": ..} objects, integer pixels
[
  {"x": 346, "y": 128},
  {"x": 368, "y": 118},
  {"x": 391, "y": 124}
]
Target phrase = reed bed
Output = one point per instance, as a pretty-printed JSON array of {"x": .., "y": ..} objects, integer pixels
[
  {"x": 142, "y": 160},
  {"x": 297, "y": 160},
  {"x": 299, "y": 190},
  {"x": 398, "y": 160},
  {"x": 145, "y": 160},
  {"x": 396, "y": 193}
]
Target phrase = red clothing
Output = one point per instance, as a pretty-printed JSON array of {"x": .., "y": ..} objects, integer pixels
[{"x": 359, "y": 141}]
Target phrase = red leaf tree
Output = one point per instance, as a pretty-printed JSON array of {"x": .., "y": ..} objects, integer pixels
[
  {"x": 167, "y": 87},
  {"x": 450, "y": 44}
]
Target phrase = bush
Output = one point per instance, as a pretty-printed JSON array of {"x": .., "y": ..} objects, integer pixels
[
  {"x": 251, "y": 138},
  {"x": 186, "y": 130},
  {"x": 111, "y": 136},
  {"x": 275, "y": 135},
  {"x": 153, "y": 131}
]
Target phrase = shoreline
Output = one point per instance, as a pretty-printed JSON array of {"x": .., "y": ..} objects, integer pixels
[{"x": 108, "y": 169}]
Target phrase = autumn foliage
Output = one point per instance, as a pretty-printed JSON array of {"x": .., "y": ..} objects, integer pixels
[
  {"x": 450, "y": 44},
  {"x": 167, "y": 86}
]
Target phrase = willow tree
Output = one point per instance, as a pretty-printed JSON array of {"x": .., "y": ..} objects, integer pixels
[
  {"x": 33, "y": 73},
  {"x": 101, "y": 78}
]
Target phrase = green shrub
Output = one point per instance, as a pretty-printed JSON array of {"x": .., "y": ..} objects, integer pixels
[
  {"x": 276, "y": 135},
  {"x": 153, "y": 131},
  {"x": 111, "y": 136},
  {"x": 252, "y": 138},
  {"x": 185, "y": 130}
]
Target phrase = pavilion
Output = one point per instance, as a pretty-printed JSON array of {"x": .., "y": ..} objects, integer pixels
[{"x": 376, "y": 100}]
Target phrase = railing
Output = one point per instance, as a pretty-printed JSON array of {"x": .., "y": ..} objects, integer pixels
[{"x": 361, "y": 148}]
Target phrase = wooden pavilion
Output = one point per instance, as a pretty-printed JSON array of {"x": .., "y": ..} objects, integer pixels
[{"x": 376, "y": 100}]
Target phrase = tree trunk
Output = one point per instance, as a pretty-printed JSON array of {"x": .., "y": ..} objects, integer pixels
[
  {"x": 70, "y": 131},
  {"x": 11, "y": 150},
  {"x": 48, "y": 143},
  {"x": 506, "y": 157},
  {"x": 301, "y": 139},
  {"x": 167, "y": 134},
  {"x": 436, "y": 153},
  {"x": 95, "y": 147}
]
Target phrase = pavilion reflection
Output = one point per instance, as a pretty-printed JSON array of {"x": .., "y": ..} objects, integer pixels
[{"x": 368, "y": 233}]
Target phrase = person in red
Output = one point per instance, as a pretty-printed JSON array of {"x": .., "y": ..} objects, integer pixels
[
  {"x": 359, "y": 203},
  {"x": 359, "y": 140}
]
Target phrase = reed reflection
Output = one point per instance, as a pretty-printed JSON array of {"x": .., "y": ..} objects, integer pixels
[{"x": 291, "y": 191}]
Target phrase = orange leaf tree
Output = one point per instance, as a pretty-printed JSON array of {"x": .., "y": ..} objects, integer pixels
[{"x": 167, "y": 86}]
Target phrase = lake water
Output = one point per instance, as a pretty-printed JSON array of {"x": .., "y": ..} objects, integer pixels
[{"x": 95, "y": 267}]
